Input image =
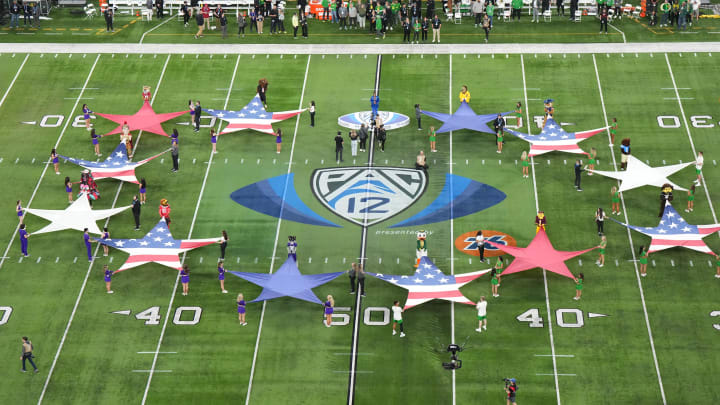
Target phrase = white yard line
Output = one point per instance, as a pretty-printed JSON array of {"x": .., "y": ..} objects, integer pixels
[
  {"x": 192, "y": 225},
  {"x": 616, "y": 29},
  {"x": 687, "y": 129},
  {"x": 47, "y": 164},
  {"x": 632, "y": 247},
  {"x": 277, "y": 233},
  {"x": 170, "y": 17},
  {"x": 537, "y": 208},
  {"x": 452, "y": 241},
  {"x": 2, "y": 100},
  {"x": 97, "y": 249},
  {"x": 363, "y": 258}
]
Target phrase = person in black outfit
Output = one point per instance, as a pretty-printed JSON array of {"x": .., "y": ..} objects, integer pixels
[
  {"x": 430, "y": 9},
  {"x": 561, "y": 7},
  {"x": 262, "y": 91},
  {"x": 159, "y": 6},
  {"x": 352, "y": 274},
  {"x": 185, "y": 10},
  {"x": 363, "y": 136},
  {"x": 425, "y": 26},
  {"x": 603, "y": 19},
  {"x": 338, "y": 147},
  {"x": 198, "y": 110},
  {"x": 223, "y": 24},
  {"x": 223, "y": 244},
  {"x": 418, "y": 116},
  {"x": 382, "y": 137},
  {"x": 136, "y": 211},
  {"x": 303, "y": 25},
  {"x": 511, "y": 391},
  {"x": 27, "y": 349},
  {"x": 273, "y": 20},
  {"x": 406, "y": 30},
  {"x": 573, "y": 9},
  {"x": 545, "y": 5},
  {"x": 109, "y": 20},
  {"x": 175, "y": 153},
  {"x": 578, "y": 171},
  {"x": 361, "y": 279},
  {"x": 27, "y": 12},
  {"x": 499, "y": 125}
]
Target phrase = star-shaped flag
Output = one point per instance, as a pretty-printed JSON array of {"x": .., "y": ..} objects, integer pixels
[
  {"x": 430, "y": 283},
  {"x": 287, "y": 282},
  {"x": 540, "y": 253},
  {"x": 79, "y": 215},
  {"x": 116, "y": 165},
  {"x": 146, "y": 119},
  {"x": 464, "y": 118},
  {"x": 252, "y": 116},
  {"x": 554, "y": 138},
  {"x": 156, "y": 246},
  {"x": 673, "y": 231},
  {"x": 639, "y": 174}
]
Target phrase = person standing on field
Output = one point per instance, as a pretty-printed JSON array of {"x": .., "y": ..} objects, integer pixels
[
  {"x": 397, "y": 318},
  {"x": 482, "y": 314},
  {"x": 27, "y": 349},
  {"x": 352, "y": 274},
  {"x": 436, "y": 25},
  {"x": 136, "y": 205},
  {"x": 338, "y": 147}
]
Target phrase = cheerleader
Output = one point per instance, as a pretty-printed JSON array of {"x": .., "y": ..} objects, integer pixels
[
  {"x": 613, "y": 132},
  {"x": 143, "y": 188},
  {"x": 241, "y": 309},
  {"x": 126, "y": 137},
  {"x": 146, "y": 95},
  {"x": 95, "y": 141},
  {"x": 108, "y": 278},
  {"x": 691, "y": 199},
  {"x": 601, "y": 250},
  {"x": 525, "y": 164},
  {"x": 213, "y": 140},
  {"x": 464, "y": 95},
  {"x": 518, "y": 114},
  {"x": 499, "y": 268},
  {"x": 643, "y": 261},
  {"x": 592, "y": 156},
  {"x": 615, "y": 198},
  {"x": 19, "y": 210},
  {"x": 579, "y": 286},
  {"x": 494, "y": 283},
  {"x": 105, "y": 236},
  {"x": 68, "y": 189},
  {"x": 191, "y": 107},
  {"x": 717, "y": 264},
  {"x": 329, "y": 305},
  {"x": 433, "y": 139},
  {"x": 86, "y": 116},
  {"x": 221, "y": 276},
  {"x": 499, "y": 139},
  {"x": 278, "y": 140},
  {"x": 55, "y": 160},
  {"x": 185, "y": 279}
]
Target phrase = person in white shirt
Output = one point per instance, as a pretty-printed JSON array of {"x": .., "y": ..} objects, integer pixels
[
  {"x": 695, "y": 10},
  {"x": 698, "y": 167},
  {"x": 397, "y": 318},
  {"x": 482, "y": 314},
  {"x": 480, "y": 243}
]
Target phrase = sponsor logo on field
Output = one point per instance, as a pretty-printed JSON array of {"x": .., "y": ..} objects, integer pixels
[
  {"x": 365, "y": 195},
  {"x": 391, "y": 120},
  {"x": 466, "y": 242}
]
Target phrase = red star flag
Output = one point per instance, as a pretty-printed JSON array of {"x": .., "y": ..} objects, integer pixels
[{"x": 146, "y": 119}]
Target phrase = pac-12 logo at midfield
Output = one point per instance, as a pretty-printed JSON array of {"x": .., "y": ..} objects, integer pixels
[
  {"x": 366, "y": 195},
  {"x": 466, "y": 242}
]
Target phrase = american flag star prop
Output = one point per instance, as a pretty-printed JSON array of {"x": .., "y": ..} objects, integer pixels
[
  {"x": 430, "y": 283},
  {"x": 540, "y": 253},
  {"x": 116, "y": 166},
  {"x": 156, "y": 246},
  {"x": 252, "y": 116},
  {"x": 673, "y": 231},
  {"x": 554, "y": 138},
  {"x": 146, "y": 119}
]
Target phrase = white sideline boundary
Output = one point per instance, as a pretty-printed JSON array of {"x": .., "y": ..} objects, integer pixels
[
  {"x": 97, "y": 249},
  {"x": 344, "y": 49},
  {"x": 47, "y": 164},
  {"x": 12, "y": 83},
  {"x": 632, "y": 246},
  {"x": 277, "y": 235},
  {"x": 537, "y": 208},
  {"x": 192, "y": 226}
]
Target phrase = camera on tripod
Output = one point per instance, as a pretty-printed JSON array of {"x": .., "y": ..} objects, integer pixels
[{"x": 454, "y": 362}]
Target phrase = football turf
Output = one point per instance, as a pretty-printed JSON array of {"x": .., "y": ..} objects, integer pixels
[{"x": 658, "y": 329}]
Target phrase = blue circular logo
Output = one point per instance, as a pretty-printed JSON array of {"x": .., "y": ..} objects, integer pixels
[{"x": 391, "y": 120}]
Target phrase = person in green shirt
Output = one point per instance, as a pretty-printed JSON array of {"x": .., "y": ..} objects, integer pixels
[
  {"x": 516, "y": 9},
  {"x": 613, "y": 132},
  {"x": 378, "y": 25},
  {"x": 717, "y": 264},
  {"x": 643, "y": 261},
  {"x": 615, "y": 195},
  {"x": 683, "y": 17},
  {"x": 691, "y": 199},
  {"x": 518, "y": 114},
  {"x": 665, "y": 10},
  {"x": 333, "y": 12},
  {"x": 433, "y": 139},
  {"x": 592, "y": 159},
  {"x": 601, "y": 250},
  {"x": 525, "y": 163},
  {"x": 394, "y": 8},
  {"x": 494, "y": 283},
  {"x": 416, "y": 31},
  {"x": 326, "y": 10},
  {"x": 579, "y": 286},
  {"x": 490, "y": 11},
  {"x": 499, "y": 268}
]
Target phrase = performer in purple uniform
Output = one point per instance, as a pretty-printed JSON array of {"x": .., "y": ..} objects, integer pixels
[
  {"x": 55, "y": 161},
  {"x": 329, "y": 305},
  {"x": 292, "y": 247},
  {"x": 96, "y": 142},
  {"x": 213, "y": 140},
  {"x": 19, "y": 210},
  {"x": 88, "y": 245},
  {"x": 68, "y": 189},
  {"x": 23, "y": 240},
  {"x": 143, "y": 189},
  {"x": 108, "y": 278},
  {"x": 105, "y": 235},
  {"x": 185, "y": 278},
  {"x": 241, "y": 309},
  {"x": 221, "y": 276},
  {"x": 86, "y": 116},
  {"x": 278, "y": 140}
]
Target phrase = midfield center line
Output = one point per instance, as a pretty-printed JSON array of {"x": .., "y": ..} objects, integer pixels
[
  {"x": 177, "y": 278},
  {"x": 97, "y": 249},
  {"x": 537, "y": 208},
  {"x": 277, "y": 233},
  {"x": 452, "y": 233},
  {"x": 632, "y": 247}
]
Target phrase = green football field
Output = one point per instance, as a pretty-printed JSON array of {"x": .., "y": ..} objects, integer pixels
[{"x": 628, "y": 340}]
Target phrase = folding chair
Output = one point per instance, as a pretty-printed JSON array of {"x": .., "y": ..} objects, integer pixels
[
  {"x": 547, "y": 15},
  {"x": 457, "y": 18},
  {"x": 146, "y": 13},
  {"x": 506, "y": 15},
  {"x": 90, "y": 11},
  {"x": 636, "y": 12}
]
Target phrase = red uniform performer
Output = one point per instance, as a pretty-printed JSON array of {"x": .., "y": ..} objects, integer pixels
[{"x": 164, "y": 211}]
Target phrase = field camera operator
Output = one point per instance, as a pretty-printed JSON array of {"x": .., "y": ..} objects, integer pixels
[{"x": 510, "y": 390}]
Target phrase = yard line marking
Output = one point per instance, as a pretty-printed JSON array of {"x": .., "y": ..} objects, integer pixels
[
  {"x": 155, "y": 27},
  {"x": 152, "y": 371},
  {"x": 564, "y": 375},
  {"x": 353, "y": 372},
  {"x": 157, "y": 352},
  {"x": 357, "y": 354},
  {"x": 687, "y": 129},
  {"x": 537, "y": 208},
  {"x": 363, "y": 255},
  {"x": 2, "y": 100},
  {"x": 452, "y": 232},
  {"x": 277, "y": 233},
  {"x": 37, "y": 186},
  {"x": 97, "y": 248},
  {"x": 554, "y": 355},
  {"x": 632, "y": 246},
  {"x": 177, "y": 278},
  {"x": 623, "y": 34},
  {"x": 679, "y": 98}
]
